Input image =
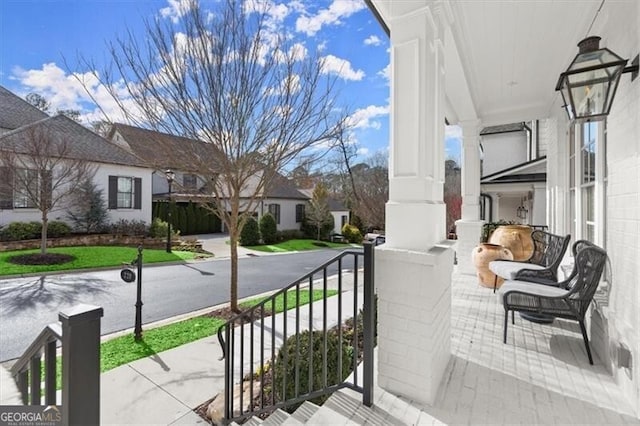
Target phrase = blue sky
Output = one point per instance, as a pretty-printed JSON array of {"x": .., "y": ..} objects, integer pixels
[{"x": 36, "y": 36}]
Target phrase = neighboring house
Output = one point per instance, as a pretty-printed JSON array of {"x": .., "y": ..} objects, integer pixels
[
  {"x": 281, "y": 199},
  {"x": 124, "y": 179},
  {"x": 486, "y": 63},
  {"x": 339, "y": 211},
  {"x": 514, "y": 173}
]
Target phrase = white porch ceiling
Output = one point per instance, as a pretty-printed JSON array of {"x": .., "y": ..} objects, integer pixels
[{"x": 511, "y": 53}]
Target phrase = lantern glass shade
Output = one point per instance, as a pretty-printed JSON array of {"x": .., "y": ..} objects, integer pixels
[{"x": 589, "y": 84}]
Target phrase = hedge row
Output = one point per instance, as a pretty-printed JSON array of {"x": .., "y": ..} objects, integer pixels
[{"x": 189, "y": 218}]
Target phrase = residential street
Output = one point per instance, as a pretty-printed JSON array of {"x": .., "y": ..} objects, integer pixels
[{"x": 28, "y": 304}]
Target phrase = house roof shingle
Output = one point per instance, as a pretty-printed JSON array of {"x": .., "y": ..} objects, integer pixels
[
  {"x": 16, "y": 112},
  {"x": 83, "y": 144},
  {"x": 281, "y": 187},
  {"x": 161, "y": 150},
  {"x": 503, "y": 128}
]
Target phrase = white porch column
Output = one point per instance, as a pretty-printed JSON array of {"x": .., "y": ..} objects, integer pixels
[
  {"x": 413, "y": 272},
  {"x": 469, "y": 227}
]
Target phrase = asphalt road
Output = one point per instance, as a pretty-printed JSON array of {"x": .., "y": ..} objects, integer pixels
[{"x": 29, "y": 304}]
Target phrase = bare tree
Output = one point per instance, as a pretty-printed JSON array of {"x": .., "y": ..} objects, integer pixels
[
  {"x": 452, "y": 192},
  {"x": 38, "y": 172},
  {"x": 43, "y": 104},
  {"x": 38, "y": 101},
  {"x": 365, "y": 185},
  {"x": 317, "y": 212},
  {"x": 229, "y": 78}
]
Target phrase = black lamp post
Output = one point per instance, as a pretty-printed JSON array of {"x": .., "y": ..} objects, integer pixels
[
  {"x": 170, "y": 175},
  {"x": 589, "y": 85},
  {"x": 137, "y": 330}
]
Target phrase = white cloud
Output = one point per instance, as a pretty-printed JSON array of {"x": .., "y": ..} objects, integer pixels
[
  {"x": 338, "y": 9},
  {"x": 453, "y": 132},
  {"x": 363, "y": 118},
  {"x": 363, "y": 151},
  {"x": 177, "y": 9},
  {"x": 341, "y": 67},
  {"x": 385, "y": 73},
  {"x": 297, "y": 52},
  {"x": 276, "y": 12},
  {"x": 69, "y": 91},
  {"x": 372, "y": 40}
]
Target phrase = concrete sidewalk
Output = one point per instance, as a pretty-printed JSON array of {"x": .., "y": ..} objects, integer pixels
[
  {"x": 166, "y": 387},
  {"x": 218, "y": 246}
]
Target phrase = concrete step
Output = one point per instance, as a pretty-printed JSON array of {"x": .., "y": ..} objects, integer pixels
[
  {"x": 277, "y": 418},
  {"x": 305, "y": 411},
  {"x": 253, "y": 421}
]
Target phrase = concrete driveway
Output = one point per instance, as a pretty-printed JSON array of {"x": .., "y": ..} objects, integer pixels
[{"x": 218, "y": 244}]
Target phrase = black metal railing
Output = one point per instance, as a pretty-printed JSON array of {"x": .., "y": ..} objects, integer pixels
[
  {"x": 78, "y": 331},
  {"x": 27, "y": 371},
  {"x": 251, "y": 341}
]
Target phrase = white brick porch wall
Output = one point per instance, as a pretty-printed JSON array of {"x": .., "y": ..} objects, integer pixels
[{"x": 620, "y": 31}]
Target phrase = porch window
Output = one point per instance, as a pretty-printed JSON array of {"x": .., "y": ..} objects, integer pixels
[{"x": 588, "y": 181}]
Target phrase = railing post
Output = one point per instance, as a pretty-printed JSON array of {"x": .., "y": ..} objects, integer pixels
[
  {"x": 81, "y": 364},
  {"x": 369, "y": 325},
  {"x": 228, "y": 374}
]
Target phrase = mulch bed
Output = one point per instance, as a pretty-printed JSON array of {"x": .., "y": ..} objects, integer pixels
[{"x": 41, "y": 259}]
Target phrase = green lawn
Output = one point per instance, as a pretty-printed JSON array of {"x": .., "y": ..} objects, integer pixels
[
  {"x": 89, "y": 257},
  {"x": 291, "y": 299},
  {"x": 124, "y": 349},
  {"x": 297, "y": 245}
]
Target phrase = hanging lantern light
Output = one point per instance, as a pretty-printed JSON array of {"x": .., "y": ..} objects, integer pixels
[
  {"x": 521, "y": 211},
  {"x": 589, "y": 85}
]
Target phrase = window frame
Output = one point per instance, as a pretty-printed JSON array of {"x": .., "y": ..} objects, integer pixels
[
  {"x": 22, "y": 194},
  {"x": 300, "y": 210},
  {"x": 275, "y": 211},
  {"x": 587, "y": 193},
  {"x": 114, "y": 193},
  {"x": 190, "y": 182}
]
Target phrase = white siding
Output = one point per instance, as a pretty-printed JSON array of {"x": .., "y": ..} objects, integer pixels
[
  {"x": 503, "y": 151},
  {"x": 101, "y": 178},
  {"x": 614, "y": 322},
  {"x": 337, "y": 220},
  {"x": 287, "y": 212}
]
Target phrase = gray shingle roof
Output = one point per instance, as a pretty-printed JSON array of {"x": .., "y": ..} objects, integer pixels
[
  {"x": 503, "y": 128},
  {"x": 16, "y": 112},
  {"x": 281, "y": 187},
  {"x": 81, "y": 142},
  {"x": 162, "y": 150}
]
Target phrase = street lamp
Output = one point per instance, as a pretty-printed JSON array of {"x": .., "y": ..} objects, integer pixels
[{"x": 170, "y": 175}]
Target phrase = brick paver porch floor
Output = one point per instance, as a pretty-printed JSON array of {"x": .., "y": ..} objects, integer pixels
[{"x": 541, "y": 376}]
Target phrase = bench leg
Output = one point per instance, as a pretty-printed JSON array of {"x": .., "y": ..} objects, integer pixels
[{"x": 506, "y": 322}]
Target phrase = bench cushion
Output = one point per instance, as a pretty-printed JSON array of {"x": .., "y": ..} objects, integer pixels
[
  {"x": 508, "y": 270},
  {"x": 531, "y": 288}
]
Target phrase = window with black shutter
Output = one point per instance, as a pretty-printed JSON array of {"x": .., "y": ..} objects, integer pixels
[
  {"x": 125, "y": 192},
  {"x": 299, "y": 212},
  {"x": 274, "y": 209},
  {"x": 6, "y": 188}
]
